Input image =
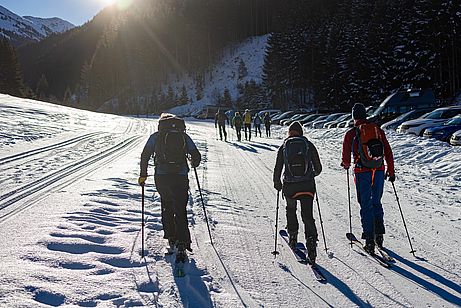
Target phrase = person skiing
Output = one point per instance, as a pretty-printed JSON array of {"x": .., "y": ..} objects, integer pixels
[
  {"x": 368, "y": 144},
  {"x": 237, "y": 122},
  {"x": 247, "y": 124},
  {"x": 257, "y": 123},
  {"x": 220, "y": 119},
  {"x": 267, "y": 124},
  {"x": 171, "y": 146},
  {"x": 300, "y": 162}
]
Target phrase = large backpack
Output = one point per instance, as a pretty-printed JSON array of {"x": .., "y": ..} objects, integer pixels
[
  {"x": 370, "y": 145},
  {"x": 171, "y": 146},
  {"x": 238, "y": 121},
  {"x": 297, "y": 158}
]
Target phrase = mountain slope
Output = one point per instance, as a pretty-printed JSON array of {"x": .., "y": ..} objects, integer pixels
[{"x": 23, "y": 29}]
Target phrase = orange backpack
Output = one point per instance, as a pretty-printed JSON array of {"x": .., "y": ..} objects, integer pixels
[{"x": 370, "y": 145}]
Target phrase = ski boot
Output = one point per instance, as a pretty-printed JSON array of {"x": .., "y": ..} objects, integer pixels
[
  {"x": 311, "y": 245},
  {"x": 379, "y": 239},
  {"x": 293, "y": 240},
  {"x": 181, "y": 254},
  {"x": 369, "y": 246}
]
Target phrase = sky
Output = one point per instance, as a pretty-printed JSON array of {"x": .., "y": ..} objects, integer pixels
[{"x": 74, "y": 11}]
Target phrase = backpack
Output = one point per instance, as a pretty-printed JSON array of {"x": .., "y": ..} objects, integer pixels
[
  {"x": 297, "y": 160},
  {"x": 247, "y": 117},
  {"x": 238, "y": 121},
  {"x": 171, "y": 146},
  {"x": 370, "y": 145}
]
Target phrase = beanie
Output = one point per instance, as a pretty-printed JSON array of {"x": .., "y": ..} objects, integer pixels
[
  {"x": 359, "y": 112},
  {"x": 296, "y": 126}
]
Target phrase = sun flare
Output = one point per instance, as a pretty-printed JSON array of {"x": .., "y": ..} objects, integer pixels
[{"x": 121, "y": 4}]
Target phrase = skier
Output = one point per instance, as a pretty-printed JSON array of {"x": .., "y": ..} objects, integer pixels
[
  {"x": 368, "y": 144},
  {"x": 257, "y": 123},
  {"x": 247, "y": 124},
  {"x": 170, "y": 147},
  {"x": 300, "y": 162},
  {"x": 237, "y": 122},
  {"x": 267, "y": 124},
  {"x": 220, "y": 119}
]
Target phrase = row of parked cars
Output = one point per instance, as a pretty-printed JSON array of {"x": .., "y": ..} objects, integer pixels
[{"x": 412, "y": 111}]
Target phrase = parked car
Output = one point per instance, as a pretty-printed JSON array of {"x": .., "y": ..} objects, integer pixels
[
  {"x": 309, "y": 124},
  {"x": 296, "y": 117},
  {"x": 345, "y": 122},
  {"x": 309, "y": 118},
  {"x": 444, "y": 132},
  {"x": 285, "y": 115},
  {"x": 438, "y": 116},
  {"x": 335, "y": 123},
  {"x": 410, "y": 115},
  {"x": 269, "y": 111},
  {"x": 331, "y": 117},
  {"x": 456, "y": 138},
  {"x": 401, "y": 102}
]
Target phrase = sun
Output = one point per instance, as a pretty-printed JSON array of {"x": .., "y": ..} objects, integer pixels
[{"x": 121, "y": 4}]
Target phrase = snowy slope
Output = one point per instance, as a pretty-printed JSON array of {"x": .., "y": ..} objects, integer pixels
[
  {"x": 17, "y": 28},
  {"x": 70, "y": 221},
  {"x": 225, "y": 74}
]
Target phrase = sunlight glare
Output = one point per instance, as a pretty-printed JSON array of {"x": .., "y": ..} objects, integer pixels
[{"x": 121, "y": 4}]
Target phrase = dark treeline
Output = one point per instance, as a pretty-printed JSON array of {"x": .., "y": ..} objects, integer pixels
[
  {"x": 10, "y": 72},
  {"x": 335, "y": 53},
  {"x": 129, "y": 54}
]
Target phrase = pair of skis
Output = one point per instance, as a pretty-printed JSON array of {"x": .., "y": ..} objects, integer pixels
[
  {"x": 382, "y": 258},
  {"x": 300, "y": 253}
]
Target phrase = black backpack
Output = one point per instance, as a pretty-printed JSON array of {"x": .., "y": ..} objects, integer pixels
[
  {"x": 297, "y": 160},
  {"x": 171, "y": 146}
]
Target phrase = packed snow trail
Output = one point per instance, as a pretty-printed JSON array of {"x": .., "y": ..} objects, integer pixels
[{"x": 70, "y": 232}]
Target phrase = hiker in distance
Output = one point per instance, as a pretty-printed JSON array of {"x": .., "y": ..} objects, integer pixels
[
  {"x": 300, "y": 162},
  {"x": 237, "y": 123},
  {"x": 170, "y": 147},
  {"x": 220, "y": 120},
  {"x": 267, "y": 124},
  {"x": 247, "y": 124},
  {"x": 369, "y": 147},
  {"x": 257, "y": 123}
]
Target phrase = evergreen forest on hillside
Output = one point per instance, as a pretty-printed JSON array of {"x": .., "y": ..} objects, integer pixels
[{"x": 325, "y": 53}]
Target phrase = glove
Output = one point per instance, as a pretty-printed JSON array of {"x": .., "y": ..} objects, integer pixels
[
  {"x": 390, "y": 177},
  {"x": 345, "y": 166},
  {"x": 278, "y": 186},
  {"x": 142, "y": 180},
  {"x": 194, "y": 163}
]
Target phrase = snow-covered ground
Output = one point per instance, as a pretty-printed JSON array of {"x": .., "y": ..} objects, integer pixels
[{"x": 70, "y": 217}]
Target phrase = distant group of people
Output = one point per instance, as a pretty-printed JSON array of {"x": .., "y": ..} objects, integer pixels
[
  {"x": 238, "y": 122},
  {"x": 297, "y": 164}
]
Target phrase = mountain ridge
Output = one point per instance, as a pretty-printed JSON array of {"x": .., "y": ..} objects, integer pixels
[{"x": 23, "y": 29}]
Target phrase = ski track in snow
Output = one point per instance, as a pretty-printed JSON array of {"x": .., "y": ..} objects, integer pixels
[{"x": 70, "y": 218}]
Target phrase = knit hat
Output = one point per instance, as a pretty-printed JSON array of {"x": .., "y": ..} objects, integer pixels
[
  {"x": 359, "y": 112},
  {"x": 296, "y": 126}
]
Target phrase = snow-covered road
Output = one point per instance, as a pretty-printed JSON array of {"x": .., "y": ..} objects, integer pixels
[{"x": 70, "y": 216}]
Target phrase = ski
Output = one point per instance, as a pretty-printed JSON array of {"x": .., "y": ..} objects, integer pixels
[
  {"x": 377, "y": 258},
  {"x": 300, "y": 253},
  {"x": 179, "y": 271},
  {"x": 385, "y": 255}
]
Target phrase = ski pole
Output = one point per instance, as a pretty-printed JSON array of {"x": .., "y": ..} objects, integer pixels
[
  {"x": 321, "y": 221},
  {"x": 142, "y": 220},
  {"x": 203, "y": 205},
  {"x": 275, "y": 252},
  {"x": 349, "y": 199},
  {"x": 403, "y": 219}
]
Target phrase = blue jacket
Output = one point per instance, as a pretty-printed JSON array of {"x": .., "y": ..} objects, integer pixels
[{"x": 149, "y": 151}]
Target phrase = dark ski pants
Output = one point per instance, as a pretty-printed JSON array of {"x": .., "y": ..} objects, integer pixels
[
  {"x": 369, "y": 193},
  {"x": 257, "y": 128},
  {"x": 268, "y": 130},
  {"x": 238, "y": 131},
  {"x": 222, "y": 129},
  {"x": 307, "y": 216},
  {"x": 247, "y": 127},
  {"x": 173, "y": 190}
]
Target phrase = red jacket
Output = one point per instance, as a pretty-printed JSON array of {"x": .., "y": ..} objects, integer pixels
[{"x": 351, "y": 146}]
